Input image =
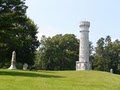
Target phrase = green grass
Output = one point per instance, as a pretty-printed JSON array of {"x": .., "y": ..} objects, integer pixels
[{"x": 58, "y": 80}]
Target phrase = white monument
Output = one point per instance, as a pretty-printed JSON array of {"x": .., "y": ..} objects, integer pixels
[
  {"x": 83, "y": 63},
  {"x": 13, "y": 61}
]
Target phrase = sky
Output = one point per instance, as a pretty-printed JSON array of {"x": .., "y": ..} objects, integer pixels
[{"x": 64, "y": 16}]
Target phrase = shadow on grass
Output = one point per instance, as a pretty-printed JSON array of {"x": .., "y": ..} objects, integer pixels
[
  {"x": 27, "y": 74},
  {"x": 47, "y": 71}
]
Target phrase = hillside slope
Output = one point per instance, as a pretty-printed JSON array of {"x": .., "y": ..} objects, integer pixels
[{"x": 58, "y": 80}]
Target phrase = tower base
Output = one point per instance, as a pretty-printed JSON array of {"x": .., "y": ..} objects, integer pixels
[{"x": 83, "y": 65}]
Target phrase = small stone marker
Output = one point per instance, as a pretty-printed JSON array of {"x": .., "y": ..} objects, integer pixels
[
  {"x": 111, "y": 70},
  {"x": 13, "y": 61},
  {"x": 25, "y": 66}
]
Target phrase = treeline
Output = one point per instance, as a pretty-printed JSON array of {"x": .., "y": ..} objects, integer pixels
[
  {"x": 61, "y": 52},
  {"x": 107, "y": 55},
  {"x": 17, "y": 32}
]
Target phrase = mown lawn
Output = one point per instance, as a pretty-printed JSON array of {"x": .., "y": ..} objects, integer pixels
[{"x": 58, "y": 80}]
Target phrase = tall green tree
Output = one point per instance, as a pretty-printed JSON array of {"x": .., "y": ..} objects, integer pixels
[
  {"x": 106, "y": 55},
  {"x": 28, "y": 42},
  {"x": 17, "y": 32},
  {"x": 59, "y": 52},
  {"x": 115, "y": 55},
  {"x": 98, "y": 60}
]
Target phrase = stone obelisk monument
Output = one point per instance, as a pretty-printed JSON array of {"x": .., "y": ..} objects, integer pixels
[
  {"x": 13, "y": 61},
  {"x": 83, "y": 63}
]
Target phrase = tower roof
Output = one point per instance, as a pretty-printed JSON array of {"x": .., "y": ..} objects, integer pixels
[{"x": 84, "y": 24}]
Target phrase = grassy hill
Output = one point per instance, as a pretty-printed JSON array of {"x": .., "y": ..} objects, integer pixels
[{"x": 58, "y": 80}]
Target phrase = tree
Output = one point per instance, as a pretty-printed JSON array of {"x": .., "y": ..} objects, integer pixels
[
  {"x": 28, "y": 43},
  {"x": 106, "y": 54},
  {"x": 17, "y": 32},
  {"x": 98, "y": 60},
  {"x": 115, "y": 55},
  {"x": 59, "y": 52}
]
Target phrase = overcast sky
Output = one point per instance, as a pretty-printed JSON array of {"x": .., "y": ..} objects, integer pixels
[{"x": 64, "y": 16}]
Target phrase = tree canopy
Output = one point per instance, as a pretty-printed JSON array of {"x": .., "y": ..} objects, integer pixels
[
  {"x": 59, "y": 52},
  {"x": 17, "y": 32},
  {"x": 107, "y": 54}
]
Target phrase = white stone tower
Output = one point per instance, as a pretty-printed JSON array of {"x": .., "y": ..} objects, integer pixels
[{"x": 83, "y": 63}]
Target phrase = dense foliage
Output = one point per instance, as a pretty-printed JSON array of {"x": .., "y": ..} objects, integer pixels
[
  {"x": 59, "y": 52},
  {"x": 107, "y": 54},
  {"x": 17, "y": 32}
]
